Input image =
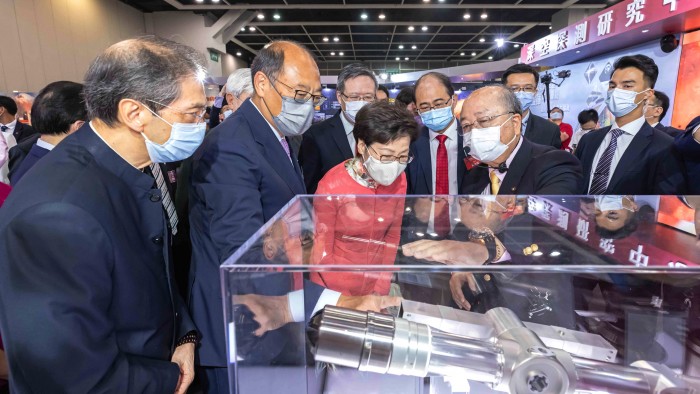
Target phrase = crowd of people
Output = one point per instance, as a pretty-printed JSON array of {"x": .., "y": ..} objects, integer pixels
[{"x": 122, "y": 201}]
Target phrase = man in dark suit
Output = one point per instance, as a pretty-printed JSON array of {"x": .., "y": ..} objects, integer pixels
[
  {"x": 13, "y": 131},
  {"x": 522, "y": 80},
  {"x": 84, "y": 245},
  {"x": 630, "y": 157},
  {"x": 656, "y": 110},
  {"x": 523, "y": 167},
  {"x": 331, "y": 142},
  {"x": 688, "y": 144},
  {"x": 58, "y": 111}
]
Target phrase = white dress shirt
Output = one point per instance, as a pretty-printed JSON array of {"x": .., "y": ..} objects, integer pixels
[
  {"x": 502, "y": 175},
  {"x": 623, "y": 142},
  {"x": 577, "y": 137},
  {"x": 43, "y": 144},
  {"x": 348, "y": 131}
]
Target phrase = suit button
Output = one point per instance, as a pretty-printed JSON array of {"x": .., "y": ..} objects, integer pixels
[
  {"x": 155, "y": 197},
  {"x": 157, "y": 240}
]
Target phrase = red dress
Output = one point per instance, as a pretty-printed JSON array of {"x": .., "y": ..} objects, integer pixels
[
  {"x": 359, "y": 230},
  {"x": 566, "y": 128}
]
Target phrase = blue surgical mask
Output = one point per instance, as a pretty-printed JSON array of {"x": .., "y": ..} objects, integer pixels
[
  {"x": 184, "y": 139},
  {"x": 526, "y": 99},
  {"x": 227, "y": 113},
  {"x": 438, "y": 119},
  {"x": 621, "y": 102}
]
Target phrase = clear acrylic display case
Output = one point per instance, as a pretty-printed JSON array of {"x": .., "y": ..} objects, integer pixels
[{"x": 526, "y": 294}]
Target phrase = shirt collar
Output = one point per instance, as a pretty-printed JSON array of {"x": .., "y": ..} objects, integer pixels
[
  {"x": 653, "y": 124},
  {"x": 526, "y": 118},
  {"x": 502, "y": 175},
  {"x": 346, "y": 123},
  {"x": 274, "y": 131},
  {"x": 632, "y": 127},
  {"x": 43, "y": 144},
  {"x": 451, "y": 132},
  {"x": 12, "y": 124}
]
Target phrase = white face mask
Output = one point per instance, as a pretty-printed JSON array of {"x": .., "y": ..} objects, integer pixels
[
  {"x": 352, "y": 108},
  {"x": 557, "y": 116},
  {"x": 621, "y": 102},
  {"x": 383, "y": 173},
  {"x": 485, "y": 144},
  {"x": 611, "y": 203}
]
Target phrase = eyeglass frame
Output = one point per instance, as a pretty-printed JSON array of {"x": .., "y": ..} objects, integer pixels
[
  {"x": 351, "y": 99},
  {"x": 197, "y": 117},
  {"x": 409, "y": 158},
  {"x": 321, "y": 98},
  {"x": 519, "y": 89},
  {"x": 479, "y": 122},
  {"x": 432, "y": 107}
]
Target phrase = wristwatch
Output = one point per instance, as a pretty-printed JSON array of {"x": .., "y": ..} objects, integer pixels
[{"x": 486, "y": 237}]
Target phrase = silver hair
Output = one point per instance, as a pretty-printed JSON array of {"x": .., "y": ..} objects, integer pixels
[
  {"x": 354, "y": 70},
  {"x": 240, "y": 82}
]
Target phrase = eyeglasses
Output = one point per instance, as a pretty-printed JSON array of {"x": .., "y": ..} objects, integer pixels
[
  {"x": 368, "y": 97},
  {"x": 481, "y": 122},
  {"x": 302, "y": 96},
  {"x": 387, "y": 159},
  {"x": 439, "y": 105},
  {"x": 526, "y": 89},
  {"x": 197, "y": 115}
]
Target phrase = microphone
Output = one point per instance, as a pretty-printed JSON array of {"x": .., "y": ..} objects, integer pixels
[{"x": 472, "y": 162}]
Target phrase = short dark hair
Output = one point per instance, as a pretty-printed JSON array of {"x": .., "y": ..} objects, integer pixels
[
  {"x": 663, "y": 101},
  {"x": 442, "y": 78},
  {"x": 588, "y": 115},
  {"x": 643, "y": 63},
  {"x": 9, "y": 104},
  {"x": 383, "y": 89},
  {"x": 354, "y": 70},
  {"x": 406, "y": 96},
  {"x": 145, "y": 69},
  {"x": 520, "y": 69},
  {"x": 557, "y": 108},
  {"x": 57, "y": 107},
  {"x": 270, "y": 59},
  {"x": 382, "y": 123}
]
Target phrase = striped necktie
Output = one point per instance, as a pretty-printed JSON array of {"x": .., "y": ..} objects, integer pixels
[
  {"x": 602, "y": 170},
  {"x": 167, "y": 201}
]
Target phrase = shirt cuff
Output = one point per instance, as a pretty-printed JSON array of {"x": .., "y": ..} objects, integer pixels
[
  {"x": 296, "y": 303},
  {"x": 218, "y": 101}
]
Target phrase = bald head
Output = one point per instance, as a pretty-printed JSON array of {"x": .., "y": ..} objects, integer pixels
[{"x": 278, "y": 57}]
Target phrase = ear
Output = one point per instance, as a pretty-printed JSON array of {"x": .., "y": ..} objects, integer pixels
[
  {"x": 649, "y": 95},
  {"x": 75, "y": 126},
  {"x": 229, "y": 98},
  {"x": 517, "y": 123},
  {"x": 361, "y": 146},
  {"x": 261, "y": 83},
  {"x": 132, "y": 114}
]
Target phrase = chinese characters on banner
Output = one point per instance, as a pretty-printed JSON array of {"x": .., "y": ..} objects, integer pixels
[{"x": 613, "y": 21}]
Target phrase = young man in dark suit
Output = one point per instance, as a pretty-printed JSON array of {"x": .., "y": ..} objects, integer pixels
[
  {"x": 522, "y": 80},
  {"x": 331, "y": 142},
  {"x": 58, "y": 111},
  {"x": 630, "y": 157},
  {"x": 656, "y": 110},
  {"x": 501, "y": 161},
  {"x": 84, "y": 246}
]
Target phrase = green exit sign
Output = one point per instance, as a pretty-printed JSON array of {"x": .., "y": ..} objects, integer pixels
[{"x": 214, "y": 56}]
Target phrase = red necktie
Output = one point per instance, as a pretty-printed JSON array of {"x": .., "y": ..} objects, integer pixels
[{"x": 442, "y": 187}]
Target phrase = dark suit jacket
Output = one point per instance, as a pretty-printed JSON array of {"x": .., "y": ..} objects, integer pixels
[
  {"x": 535, "y": 169},
  {"x": 87, "y": 300},
  {"x": 23, "y": 131},
  {"x": 35, "y": 153},
  {"x": 672, "y": 131},
  {"x": 241, "y": 177},
  {"x": 541, "y": 131},
  {"x": 650, "y": 165},
  {"x": 419, "y": 172},
  {"x": 690, "y": 151},
  {"x": 325, "y": 145},
  {"x": 19, "y": 152}
]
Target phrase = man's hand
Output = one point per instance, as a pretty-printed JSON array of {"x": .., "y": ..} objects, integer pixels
[
  {"x": 447, "y": 252},
  {"x": 372, "y": 303},
  {"x": 271, "y": 312},
  {"x": 184, "y": 358},
  {"x": 457, "y": 281}
]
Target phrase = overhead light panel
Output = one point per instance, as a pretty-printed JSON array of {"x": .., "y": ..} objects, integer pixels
[
  {"x": 411, "y": 28},
  {"x": 200, "y": 1},
  {"x": 242, "y": 28},
  {"x": 516, "y": 45}
]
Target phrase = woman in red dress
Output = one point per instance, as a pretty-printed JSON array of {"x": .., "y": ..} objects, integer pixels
[{"x": 355, "y": 204}]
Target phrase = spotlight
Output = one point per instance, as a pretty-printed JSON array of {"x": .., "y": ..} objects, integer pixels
[
  {"x": 484, "y": 15},
  {"x": 555, "y": 253},
  {"x": 499, "y": 42},
  {"x": 242, "y": 28},
  {"x": 341, "y": 53},
  {"x": 252, "y": 28},
  {"x": 473, "y": 53},
  {"x": 482, "y": 39},
  {"x": 405, "y": 58},
  {"x": 363, "y": 16},
  {"x": 516, "y": 45},
  {"x": 461, "y": 54},
  {"x": 424, "y": 28},
  {"x": 411, "y": 28},
  {"x": 398, "y": 58},
  {"x": 336, "y": 39},
  {"x": 467, "y": 16},
  {"x": 276, "y": 16},
  {"x": 332, "y": 53},
  {"x": 238, "y": 54},
  {"x": 325, "y": 39},
  {"x": 400, "y": 46},
  {"x": 414, "y": 47},
  {"x": 382, "y": 16},
  {"x": 261, "y": 16}
]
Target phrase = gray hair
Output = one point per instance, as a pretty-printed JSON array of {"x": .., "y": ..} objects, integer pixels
[
  {"x": 270, "y": 59},
  {"x": 505, "y": 99},
  {"x": 239, "y": 82},
  {"x": 354, "y": 70},
  {"x": 145, "y": 69}
]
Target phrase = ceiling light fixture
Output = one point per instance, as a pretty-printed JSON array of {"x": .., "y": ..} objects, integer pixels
[
  {"x": 332, "y": 53},
  {"x": 414, "y": 47},
  {"x": 383, "y": 76},
  {"x": 341, "y": 53},
  {"x": 424, "y": 28},
  {"x": 473, "y": 53},
  {"x": 490, "y": 57},
  {"x": 516, "y": 45},
  {"x": 461, "y": 54},
  {"x": 363, "y": 16},
  {"x": 482, "y": 39},
  {"x": 467, "y": 16},
  {"x": 261, "y": 16},
  {"x": 238, "y": 54},
  {"x": 336, "y": 39},
  {"x": 325, "y": 39},
  {"x": 400, "y": 46},
  {"x": 500, "y": 42},
  {"x": 276, "y": 16},
  {"x": 382, "y": 16},
  {"x": 398, "y": 58},
  {"x": 405, "y": 58},
  {"x": 484, "y": 15},
  {"x": 411, "y": 28},
  {"x": 252, "y": 28},
  {"x": 242, "y": 28},
  {"x": 200, "y": 1}
]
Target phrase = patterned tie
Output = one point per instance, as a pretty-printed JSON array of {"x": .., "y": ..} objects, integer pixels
[
  {"x": 495, "y": 183},
  {"x": 285, "y": 145},
  {"x": 442, "y": 186},
  {"x": 167, "y": 201},
  {"x": 602, "y": 170}
]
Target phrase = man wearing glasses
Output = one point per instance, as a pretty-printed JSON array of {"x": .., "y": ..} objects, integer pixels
[
  {"x": 438, "y": 166},
  {"x": 331, "y": 142},
  {"x": 522, "y": 80},
  {"x": 502, "y": 162}
]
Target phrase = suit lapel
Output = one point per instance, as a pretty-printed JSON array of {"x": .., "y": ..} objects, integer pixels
[
  {"x": 340, "y": 136},
  {"x": 475, "y": 181},
  {"x": 461, "y": 167},
  {"x": 423, "y": 151},
  {"x": 636, "y": 148},
  {"x": 517, "y": 168},
  {"x": 273, "y": 151}
]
